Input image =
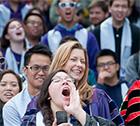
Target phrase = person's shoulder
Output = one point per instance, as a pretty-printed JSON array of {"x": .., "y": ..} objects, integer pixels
[
  {"x": 3, "y": 8},
  {"x": 99, "y": 93},
  {"x": 136, "y": 85}
]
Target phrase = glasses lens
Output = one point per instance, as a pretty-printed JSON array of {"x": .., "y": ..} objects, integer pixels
[
  {"x": 72, "y": 4},
  {"x": 45, "y": 68},
  {"x": 35, "y": 68},
  {"x": 67, "y": 4}
]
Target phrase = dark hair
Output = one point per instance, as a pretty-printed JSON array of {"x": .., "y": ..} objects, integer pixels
[
  {"x": 37, "y": 49},
  {"x": 31, "y": 13},
  {"x": 107, "y": 52},
  {"x": 43, "y": 102},
  {"x": 8, "y": 71},
  {"x": 5, "y": 43},
  {"x": 111, "y": 2},
  {"x": 57, "y": 2},
  {"x": 99, "y": 3},
  {"x": 67, "y": 38}
]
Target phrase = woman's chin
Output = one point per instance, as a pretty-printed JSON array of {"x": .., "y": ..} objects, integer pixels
[{"x": 66, "y": 103}]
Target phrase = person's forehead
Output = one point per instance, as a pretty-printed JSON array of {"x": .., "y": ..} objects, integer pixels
[
  {"x": 96, "y": 8},
  {"x": 107, "y": 57},
  {"x": 15, "y": 22},
  {"x": 61, "y": 74},
  {"x": 120, "y": 1},
  {"x": 35, "y": 57}
]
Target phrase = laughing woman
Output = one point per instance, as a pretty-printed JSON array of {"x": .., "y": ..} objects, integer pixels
[
  {"x": 13, "y": 44},
  {"x": 10, "y": 85},
  {"x": 59, "y": 93}
]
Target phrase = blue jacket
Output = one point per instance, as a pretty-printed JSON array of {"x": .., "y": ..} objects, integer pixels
[{"x": 53, "y": 37}]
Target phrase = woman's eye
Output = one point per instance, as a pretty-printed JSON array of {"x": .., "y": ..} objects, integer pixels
[
  {"x": 72, "y": 59},
  {"x": 2, "y": 84},
  {"x": 83, "y": 62}
]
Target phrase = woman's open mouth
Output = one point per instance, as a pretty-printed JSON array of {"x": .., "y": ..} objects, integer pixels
[{"x": 66, "y": 92}]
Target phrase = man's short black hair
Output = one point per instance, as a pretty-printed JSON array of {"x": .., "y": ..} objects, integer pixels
[
  {"x": 68, "y": 38},
  {"x": 37, "y": 49},
  {"x": 107, "y": 52}
]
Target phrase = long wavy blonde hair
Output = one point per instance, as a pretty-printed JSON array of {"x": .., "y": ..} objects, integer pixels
[{"x": 60, "y": 59}]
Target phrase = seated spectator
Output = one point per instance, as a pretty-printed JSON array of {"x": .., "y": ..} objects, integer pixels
[
  {"x": 10, "y": 85},
  {"x": 13, "y": 45},
  {"x": 133, "y": 68},
  {"x": 98, "y": 12},
  {"x": 36, "y": 65},
  {"x": 51, "y": 101},
  {"x": 108, "y": 79},
  {"x": 130, "y": 109},
  {"x": 34, "y": 27}
]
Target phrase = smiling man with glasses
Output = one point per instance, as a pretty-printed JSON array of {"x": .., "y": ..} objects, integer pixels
[
  {"x": 36, "y": 66},
  {"x": 108, "y": 68}
]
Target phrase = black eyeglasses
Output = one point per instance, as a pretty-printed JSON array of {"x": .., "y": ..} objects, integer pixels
[
  {"x": 108, "y": 64},
  {"x": 37, "y": 68},
  {"x": 67, "y": 4},
  {"x": 38, "y": 23},
  {"x": 60, "y": 79}
]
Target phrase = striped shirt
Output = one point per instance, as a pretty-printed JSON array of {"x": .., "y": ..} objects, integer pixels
[{"x": 130, "y": 109}]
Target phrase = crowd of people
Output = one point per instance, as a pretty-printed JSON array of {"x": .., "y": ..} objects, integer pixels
[{"x": 69, "y": 62}]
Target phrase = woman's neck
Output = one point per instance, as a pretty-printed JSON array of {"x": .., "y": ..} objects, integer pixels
[
  {"x": 55, "y": 108},
  {"x": 17, "y": 47},
  {"x": 33, "y": 41}
]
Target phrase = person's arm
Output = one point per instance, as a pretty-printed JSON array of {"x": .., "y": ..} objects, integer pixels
[
  {"x": 97, "y": 121},
  {"x": 75, "y": 109},
  {"x": 10, "y": 115}
]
